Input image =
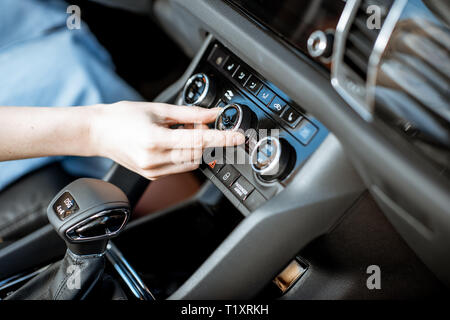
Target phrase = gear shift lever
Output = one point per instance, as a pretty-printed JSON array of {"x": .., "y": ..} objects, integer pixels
[{"x": 87, "y": 213}]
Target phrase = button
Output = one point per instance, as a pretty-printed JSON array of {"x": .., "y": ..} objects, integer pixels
[
  {"x": 254, "y": 201},
  {"x": 228, "y": 175},
  {"x": 320, "y": 44},
  {"x": 277, "y": 105},
  {"x": 242, "y": 188},
  {"x": 229, "y": 95},
  {"x": 254, "y": 85},
  {"x": 215, "y": 166},
  {"x": 218, "y": 57},
  {"x": 291, "y": 117},
  {"x": 266, "y": 95},
  {"x": 306, "y": 132},
  {"x": 215, "y": 161},
  {"x": 242, "y": 76},
  {"x": 230, "y": 66}
]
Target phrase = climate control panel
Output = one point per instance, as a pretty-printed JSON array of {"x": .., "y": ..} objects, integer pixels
[{"x": 280, "y": 135}]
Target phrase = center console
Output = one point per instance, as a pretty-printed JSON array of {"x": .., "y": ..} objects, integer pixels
[{"x": 280, "y": 135}]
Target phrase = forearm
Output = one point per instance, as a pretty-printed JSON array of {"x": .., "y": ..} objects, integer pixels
[{"x": 30, "y": 132}]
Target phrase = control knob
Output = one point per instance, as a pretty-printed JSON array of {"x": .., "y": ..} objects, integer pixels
[
  {"x": 320, "y": 44},
  {"x": 199, "y": 91},
  {"x": 235, "y": 117},
  {"x": 271, "y": 159}
]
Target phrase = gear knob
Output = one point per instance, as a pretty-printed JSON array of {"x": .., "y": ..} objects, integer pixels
[{"x": 87, "y": 213}]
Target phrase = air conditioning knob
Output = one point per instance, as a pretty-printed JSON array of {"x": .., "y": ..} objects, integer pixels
[
  {"x": 199, "y": 91},
  {"x": 271, "y": 159},
  {"x": 235, "y": 117}
]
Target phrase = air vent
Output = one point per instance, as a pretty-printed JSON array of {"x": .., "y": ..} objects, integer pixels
[
  {"x": 361, "y": 39},
  {"x": 411, "y": 92},
  {"x": 399, "y": 73},
  {"x": 355, "y": 40}
]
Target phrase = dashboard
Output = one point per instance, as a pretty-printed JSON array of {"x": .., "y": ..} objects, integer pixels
[
  {"x": 394, "y": 74},
  {"x": 307, "y": 26}
]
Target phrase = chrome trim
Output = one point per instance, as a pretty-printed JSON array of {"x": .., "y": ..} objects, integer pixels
[
  {"x": 127, "y": 273},
  {"x": 362, "y": 103},
  {"x": 317, "y": 51},
  {"x": 204, "y": 93},
  {"x": 21, "y": 277},
  {"x": 276, "y": 161},
  {"x": 324, "y": 39},
  {"x": 379, "y": 48},
  {"x": 241, "y": 114},
  {"x": 340, "y": 73},
  {"x": 126, "y": 211},
  {"x": 84, "y": 256}
]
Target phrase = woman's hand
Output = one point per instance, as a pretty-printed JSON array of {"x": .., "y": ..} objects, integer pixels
[{"x": 137, "y": 135}]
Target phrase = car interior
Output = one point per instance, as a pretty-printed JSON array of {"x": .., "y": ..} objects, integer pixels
[{"x": 362, "y": 158}]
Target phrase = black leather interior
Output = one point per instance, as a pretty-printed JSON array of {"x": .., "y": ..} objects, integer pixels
[
  {"x": 23, "y": 205},
  {"x": 54, "y": 283}
]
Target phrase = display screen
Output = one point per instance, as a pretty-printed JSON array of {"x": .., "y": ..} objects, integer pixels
[{"x": 294, "y": 20}]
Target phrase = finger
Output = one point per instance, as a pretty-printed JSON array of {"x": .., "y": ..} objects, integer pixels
[
  {"x": 194, "y": 126},
  {"x": 200, "y": 139},
  {"x": 182, "y": 114},
  {"x": 169, "y": 169},
  {"x": 193, "y": 155},
  {"x": 174, "y": 156}
]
